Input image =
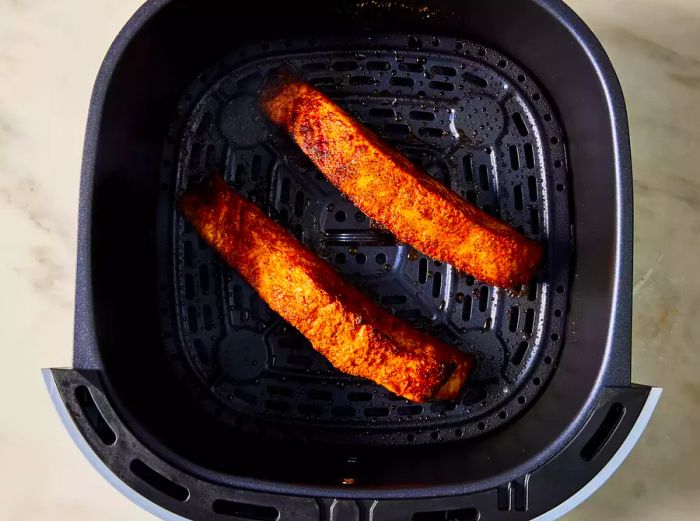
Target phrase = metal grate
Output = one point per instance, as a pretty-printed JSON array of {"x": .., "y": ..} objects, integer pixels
[{"x": 470, "y": 117}]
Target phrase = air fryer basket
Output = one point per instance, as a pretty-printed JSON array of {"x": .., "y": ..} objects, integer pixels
[{"x": 188, "y": 390}]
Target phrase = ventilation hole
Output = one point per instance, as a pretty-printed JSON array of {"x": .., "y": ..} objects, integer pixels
[
  {"x": 532, "y": 188},
  {"x": 192, "y": 319},
  {"x": 285, "y": 190},
  {"x": 467, "y": 308},
  {"x": 317, "y": 394},
  {"x": 430, "y": 132},
  {"x": 502, "y": 63},
  {"x": 481, "y": 426},
  {"x": 519, "y": 355},
  {"x": 421, "y": 115},
  {"x": 410, "y": 67},
  {"x": 484, "y": 177},
  {"x": 310, "y": 410},
  {"x": 276, "y": 405},
  {"x": 360, "y": 258},
  {"x": 382, "y": 113},
  {"x": 189, "y": 254},
  {"x": 210, "y": 158},
  {"x": 340, "y": 258},
  {"x": 357, "y": 81},
  {"x": 557, "y": 312},
  {"x": 204, "y": 278},
  {"x": 437, "y": 284},
  {"x": 380, "y": 259},
  {"x": 536, "y": 96},
  {"x": 555, "y": 140},
  {"x": 279, "y": 390},
  {"x": 481, "y": 52},
  {"x": 535, "y": 221},
  {"x": 159, "y": 482},
  {"x": 471, "y": 196},
  {"x": 245, "y": 510},
  {"x": 441, "y": 85},
  {"x": 301, "y": 360},
  {"x": 514, "y": 315},
  {"x": 476, "y": 80},
  {"x": 514, "y": 159},
  {"x": 468, "y": 164},
  {"x": 376, "y": 412},
  {"x": 532, "y": 292},
  {"x": 529, "y": 156},
  {"x": 341, "y": 217},
  {"x": 409, "y": 410},
  {"x": 483, "y": 298},
  {"x": 560, "y": 188},
  {"x": 518, "y": 197},
  {"x": 394, "y": 300},
  {"x": 529, "y": 322},
  {"x": 377, "y": 66},
  {"x": 560, "y": 289},
  {"x": 343, "y": 412},
  {"x": 521, "y": 400},
  {"x": 536, "y": 381},
  {"x": 299, "y": 204},
  {"x": 547, "y": 360},
  {"x": 344, "y": 66},
  {"x": 554, "y": 337},
  {"x": 189, "y": 286},
  {"x": 521, "y": 78},
  {"x": 411, "y": 438},
  {"x": 442, "y": 407},
  {"x": 94, "y": 416},
  {"x": 558, "y": 164},
  {"x": 203, "y": 245},
  {"x": 439, "y": 70},
  {"x": 256, "y": 166},
  {"x": 313, "y": 67},
  {"x": 520, "y": 124},
  {"x": 423, "y": 270},
  {"x": 470, "y": 280},
  {"x": 601, "y": 436},
  {"x": 434, "y": 436},
  {"x": 208, "y": 318},
  {"x": 396, "y": 130},
  {"x": 360, "y": 397},
  {"x": 195, "y": 155},
  {"x": 503, "y": 415},
  {"x": 245, "y": 396},
  {"x": 459, "y": 433}
]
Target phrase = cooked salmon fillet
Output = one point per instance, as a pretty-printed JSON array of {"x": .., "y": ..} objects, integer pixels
[
  {"x": 391, "y": 190},
  {"x": 355, "y": 334}
]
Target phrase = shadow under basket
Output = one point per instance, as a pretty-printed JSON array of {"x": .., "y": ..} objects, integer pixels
[{"x": 197, "y": 401}]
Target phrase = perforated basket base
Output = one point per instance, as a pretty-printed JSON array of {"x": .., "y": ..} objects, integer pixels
[{"x": 470, "y": 117}]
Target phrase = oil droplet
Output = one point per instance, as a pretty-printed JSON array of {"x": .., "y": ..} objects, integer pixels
[
  {"x": 330, "y": 207},
  {"x": 352, "y": 251},
  {"x": 413, "y": 255},
  {"x": 387, "y": 267},
  {"x": 459, "y": 297}
]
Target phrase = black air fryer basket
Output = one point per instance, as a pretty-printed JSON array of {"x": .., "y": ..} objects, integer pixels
[{"x": 196, "y": 400}]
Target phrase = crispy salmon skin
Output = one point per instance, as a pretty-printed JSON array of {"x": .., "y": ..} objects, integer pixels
[
  {"x": 391, "y": 190},
  {"x": 356, "y": 335}
]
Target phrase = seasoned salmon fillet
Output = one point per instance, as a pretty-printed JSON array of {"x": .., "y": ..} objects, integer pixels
[
  {"x": 353, "y": 332},
  {"x": 388, "y": 188}
]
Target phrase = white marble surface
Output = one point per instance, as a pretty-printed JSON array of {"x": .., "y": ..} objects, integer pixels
[{"x": 655, "y": 46}]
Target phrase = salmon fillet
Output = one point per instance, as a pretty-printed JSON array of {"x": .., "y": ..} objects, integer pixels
[
  {"x": 355, "y": 334},
  {"x": 388, "y": 188}
]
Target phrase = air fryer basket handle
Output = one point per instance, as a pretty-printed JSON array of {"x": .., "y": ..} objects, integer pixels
[{"x": 547, "y": 493}]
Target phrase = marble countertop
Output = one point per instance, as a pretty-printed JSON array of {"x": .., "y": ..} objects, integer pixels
[{"x": 655, "y": 46}]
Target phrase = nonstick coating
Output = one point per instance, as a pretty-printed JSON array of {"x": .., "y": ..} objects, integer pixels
[
  {"x": 122, "y": 301},
  {"x": 474, "y": 120}
]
